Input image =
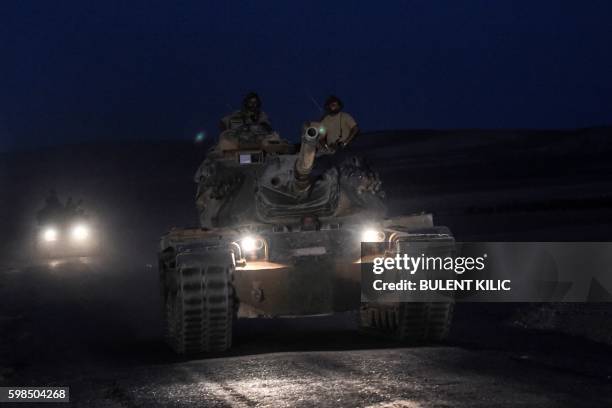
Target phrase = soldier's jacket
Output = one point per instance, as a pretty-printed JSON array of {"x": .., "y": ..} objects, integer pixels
[
  {"x": 337, "y": 127},
  {"x": 242, "y": 132},
  {"x": 240, "y": 118}
]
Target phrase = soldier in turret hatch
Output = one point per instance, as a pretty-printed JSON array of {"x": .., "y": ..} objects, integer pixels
[
  {"x": 246, "y": 128},
  {"x": 250, "y": 114},
  {"x": 339, "y": 127}
]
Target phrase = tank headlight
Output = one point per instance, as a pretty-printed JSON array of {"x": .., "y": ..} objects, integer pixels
[
  {"x": 79, "y": 232},
  {"x": 250, "y": 244},
  {"x": 372, "y": 235},
  {"x": 49, "y": 235}
]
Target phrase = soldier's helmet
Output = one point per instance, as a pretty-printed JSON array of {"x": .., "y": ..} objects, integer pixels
[
  {"x": 331, "y": 99},
  {"x": 51, "y": 198},
  {"x": 251, "y": 102}
]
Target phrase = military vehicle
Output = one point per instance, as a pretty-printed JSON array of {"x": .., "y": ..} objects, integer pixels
[
  {"x": 65, "y": 234},
  {"x": 280, "y": 236}
]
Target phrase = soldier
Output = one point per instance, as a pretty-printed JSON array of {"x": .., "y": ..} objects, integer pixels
[
  {"x": 78, "y": 209},
  {"x": 340, "y": 127},
  {"x": 250, "y": 114},
  {"x": 52, "y": 210},
  {"x": 246, "y": 127},
  {"x": 70, "y": 207}
]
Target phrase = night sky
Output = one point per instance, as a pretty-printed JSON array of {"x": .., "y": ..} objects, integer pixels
[{"x": 80, "y": 71}]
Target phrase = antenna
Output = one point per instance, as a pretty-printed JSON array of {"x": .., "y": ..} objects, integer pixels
[
  {"x": 297, "y": 59},
  {"x": 314, "y": 101}
]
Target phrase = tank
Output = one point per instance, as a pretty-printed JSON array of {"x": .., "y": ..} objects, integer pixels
[{"x": 280, "y": 235}]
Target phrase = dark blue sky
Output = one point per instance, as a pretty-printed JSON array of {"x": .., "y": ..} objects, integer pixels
[{"x": 81, "y": 71}]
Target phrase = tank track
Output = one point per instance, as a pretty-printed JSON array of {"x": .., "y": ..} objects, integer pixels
[
  {"x": 408, "y": 322},
  {"x": 199, "y": 303}
]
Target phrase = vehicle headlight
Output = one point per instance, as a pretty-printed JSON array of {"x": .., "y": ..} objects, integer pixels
[
  {"x": 251, "y": 244},
  {"x": 49, "y": 235},
  {"x": 372, "y": 235},
  {"x": 79, "y": 232}
]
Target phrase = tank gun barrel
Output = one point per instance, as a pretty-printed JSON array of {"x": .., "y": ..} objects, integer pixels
[{"x": 306, "y": 156}]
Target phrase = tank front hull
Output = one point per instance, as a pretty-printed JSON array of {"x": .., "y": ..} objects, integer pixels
[{"x": 295, "y": 271}]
